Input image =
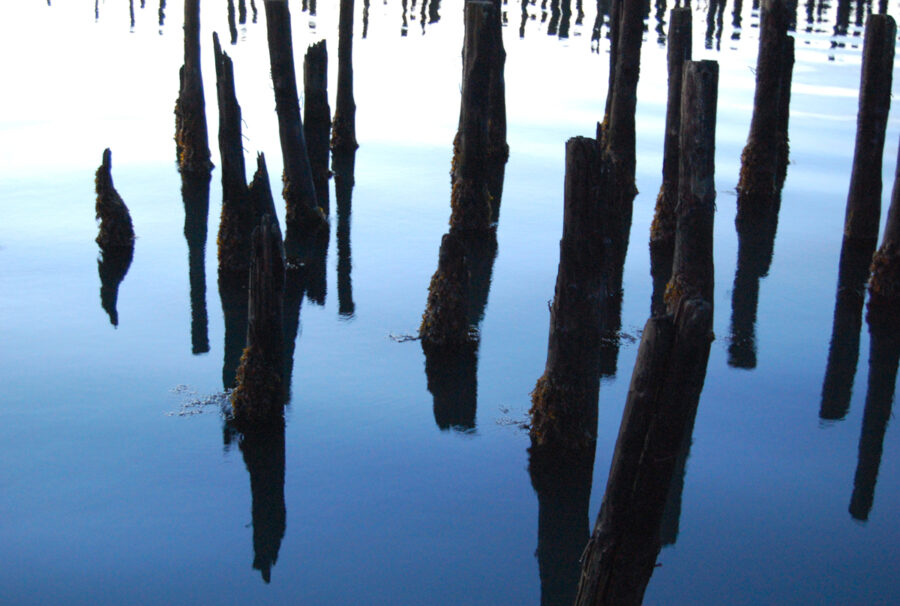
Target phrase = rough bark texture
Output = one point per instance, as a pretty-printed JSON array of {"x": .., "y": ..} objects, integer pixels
[
  {"x": 692, "y": 265},
  {"x": 191, "y": 135},
  {"x": 317, "y": 117},
  {"x": 258, "y": 397},
  {"x": 445, "y": 321},
  {"x": 235, "y": 223},
  {"x": 303, "y": 214},
  {"x": 564, "y": 401},
  {"x": 760, "y": 159},
  {"x": 662, "y": 231},
  {"x": 343, "y": 133},
  {"x": 864, "y": 198},
  {"x": 116, "y": 229}
]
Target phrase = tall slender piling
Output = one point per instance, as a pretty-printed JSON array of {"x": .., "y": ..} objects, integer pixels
[
  {"x": 258, "y": 397},
  {"x": 303, "y": 214},
  {"x": 668, "y": 376},
  {"x": 191, "y": 135},
  {"x": 317, "y": 117},
  {"x": 343, "y": 165},
  {"x": 195, "y": 196},
  {"x": 343, "y": 129},
  {"x": 235, "y": 224},
  {"x": 662, "y": 231}
]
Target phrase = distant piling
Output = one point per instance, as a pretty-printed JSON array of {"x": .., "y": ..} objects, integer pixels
[
  {"x": 235, "y": 224},
  {"x": 317, "y": 118},
  {"x": 116, "y": 229},
  {"x": 564, "y": 400},
  {"x": 258, "y": 397},
  {"x": 191, "y": 135},
  {"x": 303, "y": 213},
  {"x": 662, "y": 231},
  {"x": 343, "y": 133},
  {"x": 668, "y": 376}
]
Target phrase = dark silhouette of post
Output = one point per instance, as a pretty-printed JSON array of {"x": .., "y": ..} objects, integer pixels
[
  {"x": 668, "y": 375},
  {"x": 343, "y": 166},
  {"x": 191, "y": 136},
  {"x": 112, "y": 265},
  {"x": 317, "y": 117},
  {"x": 115, "y": 237},
  {"x": 662, "y": 231},
  {"x": 343, "y": 128},
  {"x": 195, "y": 195}
]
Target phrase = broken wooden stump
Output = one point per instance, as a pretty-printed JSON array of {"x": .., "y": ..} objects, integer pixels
[
  {"x": 317, "y": 118},
  {"x": 766, "y": 147},
  {"x": 564, "y": 400},
  {"x": 303, "y": 213},
  {"x": 191, "y": 136},
  {"x": 235, "y": 224},
  {"x": 116, "y": 229},
  {"x": 343, "y": 129},
  {"x": 258, "y": 398},
  {"x": 662, "y": 231}
]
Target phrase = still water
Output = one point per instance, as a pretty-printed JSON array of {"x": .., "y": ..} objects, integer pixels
[{"x": 118, "y": 482}]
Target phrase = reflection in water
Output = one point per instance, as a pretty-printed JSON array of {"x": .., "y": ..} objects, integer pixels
[
  {"x": 660, "y": 22},
  {"x": 263, "y": 451},
  {"x": 162, "y": 12},
  {"x": 233, "y": 293},
  {"x": 736, "y": 19},
  {"x": 843, "y": 353},
  {"x": 294, "y": 287},
  {"x": 756, "y": 244},
  {"x": 195, "y": 194},
  {"x": 112, "y": 265},
  {"x": 884, "y": 354},
  {"x": 232, "y": 26},
  {"x": 714, "y": 23},
  {"x": 562, "y": 481},
  {"x": 343, "y": 165},
  {"x": 671, "y": 516}
]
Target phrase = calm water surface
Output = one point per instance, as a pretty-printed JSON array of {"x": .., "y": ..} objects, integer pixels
[{"x": 118, "y": 483}]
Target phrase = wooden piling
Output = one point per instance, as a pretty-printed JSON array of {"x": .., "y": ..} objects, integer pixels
[
  {"x": 662, "y": 231},
  {"x": 343, "y": 133},
  {"x": 497, "y": 147},
  {"x": 864, "y": 199},
  {"x": 445, "y": 321},
  {"x": 762, "y": 154},
  {"x": 692, "y": 265},
  {"x": 235, "y": 224},
  {"x": 116, "y": 229},
  {"x": 317, "y": 118},
  {"x": 191, "y": 135},
  {"x": 258, "y": 397},
  {"x": 784, "y": 113},
  {"x": 564, "y": 400},
  {"x": 303, "y": 213},
  {"x": 885, "y": 280}
]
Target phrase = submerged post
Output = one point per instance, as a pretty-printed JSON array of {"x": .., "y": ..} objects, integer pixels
[{"x": 191, "y": 136}]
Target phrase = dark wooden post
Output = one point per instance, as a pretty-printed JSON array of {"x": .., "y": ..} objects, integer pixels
[
  {"x": 692, "y": 265},
  {"x": 564, "y": 401},
  {"x": 757, "y": 185},
  {"x": 191, "y": 136},
  {"x": 195, "y": 196},
  {"x": 232, "y": 25},
  {"x": 116, "y": 229},
  {"x": 445, "y": 321},
  {"x": 784, "y": 113},
  {"x": 498, "y": 148},
  {"x": 236, "y": 220},
  {"x": 317, "y": 117},
  {"x": 303, "y": 214},
  {"x": 258, "y": 397},
  {"x": 343, "y": 134},
  {"x": 662, "y": 231},
  {"x": 344, "y": 164}
]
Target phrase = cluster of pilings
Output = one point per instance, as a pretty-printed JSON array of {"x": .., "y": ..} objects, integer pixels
[{"x": 458, "y": 292}]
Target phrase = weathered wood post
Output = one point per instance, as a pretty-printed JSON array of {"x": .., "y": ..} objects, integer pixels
[
  {"x": 498, "y": 149},
  {"x": 317, "y": 117},
  {"x": 191, "y": 136},
  {"x": 564, "y": 400},
  {"x": 766, "y": 144},
  {"x": 445, "y": 321},
  {"x": 303, "y": 214},
  {"x": 343, "y": 133},
  {"x": 116, "y": 229},
  {"x": 662, "y": 231},
  {"x": 258, "y": 397},
  {"x": 668, "y": 376},
  {"x": 232, "y": 25},
  {"x": 236, "y": 222},
  {"x": 862, "y": 215}
]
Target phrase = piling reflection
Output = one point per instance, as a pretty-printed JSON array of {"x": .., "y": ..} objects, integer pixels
[
  {"x": 884, "y": 355},
  {"x": 562, "y": 481},
  {"x": 714, "y": 24},
  {"x": 264, "y": 456},
  {"x": 233, "y": 294},
  {"x": 112, "y": 265},
  {"x": 195, "y": 195},
  {"x": 343, "y": 166},
  {"x": 232, "y": 25}
]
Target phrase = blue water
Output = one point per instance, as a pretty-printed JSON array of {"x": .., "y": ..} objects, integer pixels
[{"x": 114, "y": 491}]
